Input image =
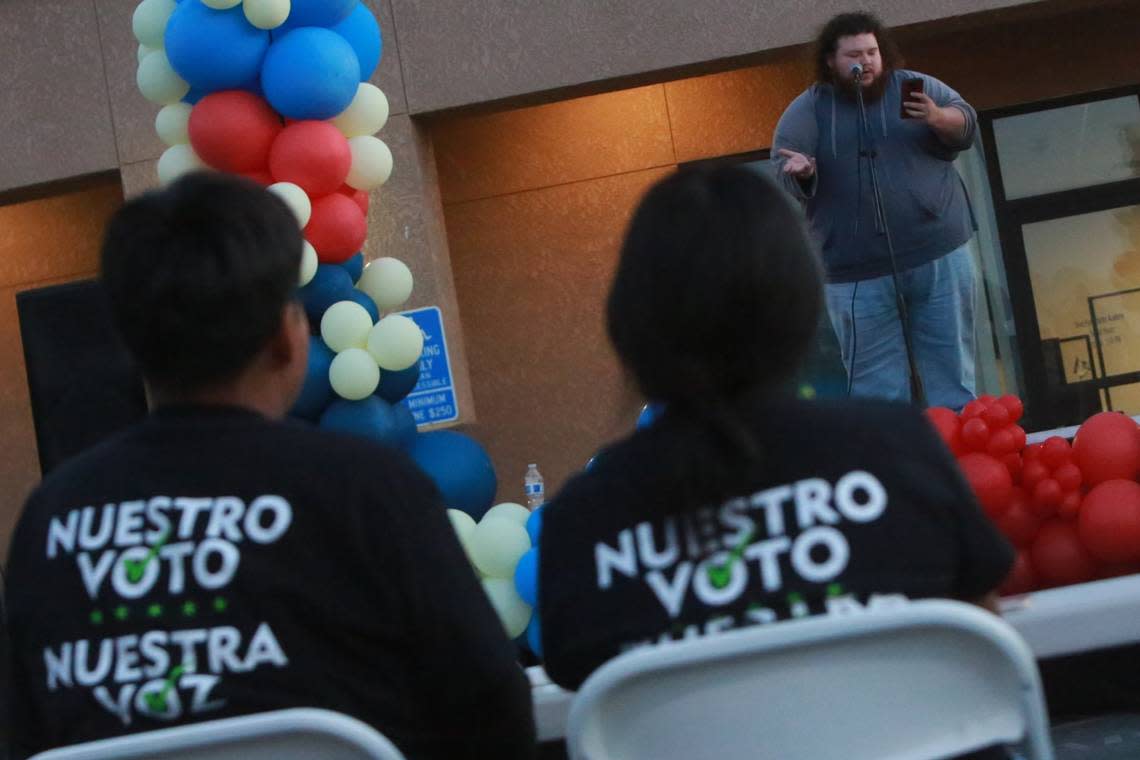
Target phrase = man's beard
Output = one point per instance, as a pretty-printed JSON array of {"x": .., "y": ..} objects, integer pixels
[{"x": 872, "y": 93}]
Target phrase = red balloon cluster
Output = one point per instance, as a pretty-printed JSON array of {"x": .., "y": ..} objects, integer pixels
[
  {"x": 237, "y": 131},
  {"x": 1072, "y": 511}
]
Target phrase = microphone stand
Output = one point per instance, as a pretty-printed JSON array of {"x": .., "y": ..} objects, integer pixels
[{"x": 867, "y": 150}]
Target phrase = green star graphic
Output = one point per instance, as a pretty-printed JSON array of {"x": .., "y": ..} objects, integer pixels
[
  {"x": 97, "y": 617},
  {"x": 189, "y": 609},
  {"x": 155, "y": 610},
  {"x": 220, "y": 604},
  {"x": 122, "y": 613}
]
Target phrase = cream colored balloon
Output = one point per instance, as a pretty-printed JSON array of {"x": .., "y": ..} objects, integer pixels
[
  {"x": 387, "y": 281},
  {"x": 309, "y": 262},
  {"x": 371, "y": 163},
  {"x": 345, "y": 325},
  {"x": 514, "y": 613},
  {"x": 296, "y": 199},
  {"x": 176, "y": 161},
  {"x": 353, "y": 374},
  {"x": 157, "y": 80},
  {"x": 266, "y": 14},
  {"x": 172, "y": 123},
  {"x": 509, "y": 511},
  {"x": 396, "y": 342},
  {"x": 143, "y": 50},
  {"x": 220, "y": 5},
  {"x": 497, "y": 544},
  {"x": 149, "y": 22},
  {"x": 366, "y": 114},
  {"x": 464, "y": 526}
]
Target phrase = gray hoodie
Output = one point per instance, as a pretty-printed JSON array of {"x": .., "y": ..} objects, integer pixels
[{"x": 925, "y": 201}]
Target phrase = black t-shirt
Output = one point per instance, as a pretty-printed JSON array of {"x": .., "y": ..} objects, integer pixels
[
  {"x": 844, "y": 506},
  {"x": 211, "y": 563}
]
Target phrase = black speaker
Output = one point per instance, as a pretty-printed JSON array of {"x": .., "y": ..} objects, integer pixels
[{"x": 84, "y": 385}]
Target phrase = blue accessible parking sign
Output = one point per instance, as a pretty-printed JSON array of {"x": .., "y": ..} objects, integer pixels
[{"x": 432, "y": 401}]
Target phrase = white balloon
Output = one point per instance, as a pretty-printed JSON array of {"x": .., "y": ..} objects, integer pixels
[
  {"x": 496, "y": 546},
  {"x": 176, "y": 161},
  {"x": 366, "y": 114},
  {"x": 143, "y": 50},
  {"x": 396, "y": 342},
  {"x": 266, "y": 14},
  {"x": 309, "y": 262},
  {"x": 371, "y": 163},
  {"x": 509, "y": 511},
  {"x": 346, "y": 325},
  {"x": 353, "y": 374},
  {"x": 220, "y": 5},
  {"x": 514, "y": 613},
  {"x": 387, "y": 281},
  {"x": 296, "y": 199},
  {"x": 149, "y": 22},
  {"x": 173, "y": 123},
  {"x": 463, "y": 523},
  {"x": 157, "y": 80}
]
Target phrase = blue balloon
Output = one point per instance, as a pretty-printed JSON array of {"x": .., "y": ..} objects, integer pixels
[
  {"x": 397, "y": 384},
  {"x": 317, "y": 392},
  {"x": 361, "y": 30},
  {"x": 329, "y": 285},
  {"x": 405, "y": 425},
  {"x": 534, "y": 525},
  {"x": 650, "y": 413},
  {"x": 534, "y": 634},
  {"x": 214, "y": 50},
  {"x": 316, "y": 13},
  {"x": 370, "y": 417},
  {"x": 365, "y": 300},
  {"x": 526, "y": 577},
  {"x": 310, "y": 73},
  {"x": 460, "y": 468},
  {"x": 354, "y": 266}
]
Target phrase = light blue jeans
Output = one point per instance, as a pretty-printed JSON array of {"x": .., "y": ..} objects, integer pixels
[{"x": 940, "y": 299}]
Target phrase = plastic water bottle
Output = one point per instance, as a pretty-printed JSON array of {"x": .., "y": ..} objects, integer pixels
[{"x": 534, "y": 488}]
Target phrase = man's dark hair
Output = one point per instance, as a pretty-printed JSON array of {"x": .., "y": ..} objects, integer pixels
[
  {"x": 197, "y": 275},
  {"x": 849, "y": 25}
]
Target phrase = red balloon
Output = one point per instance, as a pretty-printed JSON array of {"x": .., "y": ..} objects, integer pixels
[
  {"x": 973, "y": 409},
  {"x": 1018, "y": 436},
  {"x": 990, "y": 481},
  {"x": 311, "y": 154},
  {"x": 996, "y": 416},
  {"x": 1013, "y": 405},
  {"x": 362, "y": 199},
  {"x": 1109, "y": 521},
  {"x": 1070, "y": 505},
  {"x": 1032, "y": 473},
  {"x": 1033, "y": 451},
  {"x": 1068, "y": 476},
  {"x": 1107, "y": 447},
  {"x": 1059, "y": 557},
  {"x": 1012, "y": 463},
  {"x": 975, "y": 434},
  {"x": 1118, "y": 571},
  {"x": 1002, "y": 442},
  {"x": 1056, "y": 452},
  {"x": 233, "y": 130},
  {"x": 1047, "y": 496},
  {"x": 1021, "y": 578},
  {"x": 336, "y": 229},
  {"x": 987, "y": 399},
  {"x": 1019, "y": 524}
]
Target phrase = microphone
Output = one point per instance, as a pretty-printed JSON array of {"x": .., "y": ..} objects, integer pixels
[{"x": 857, "y": 72}]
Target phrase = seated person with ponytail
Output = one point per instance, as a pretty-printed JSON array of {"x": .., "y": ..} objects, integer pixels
[{"x": 742, "y": 505}]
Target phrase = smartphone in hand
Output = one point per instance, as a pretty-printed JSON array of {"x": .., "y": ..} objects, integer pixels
[{"x": 909, "y": 87}]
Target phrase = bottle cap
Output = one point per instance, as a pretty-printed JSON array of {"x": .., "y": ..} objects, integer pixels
[{"x": 533, "y": 465}]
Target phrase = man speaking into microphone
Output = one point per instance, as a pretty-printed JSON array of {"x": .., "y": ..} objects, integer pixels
[{"x": 825, "y": 152}]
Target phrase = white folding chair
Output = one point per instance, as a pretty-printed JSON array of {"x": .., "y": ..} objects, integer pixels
[
  {"x": 296, "y": 734},
  {"x": 929, "y": 679}
]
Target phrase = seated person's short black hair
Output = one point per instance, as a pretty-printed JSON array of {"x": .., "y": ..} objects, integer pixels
[{"x": 197, "y": 275}]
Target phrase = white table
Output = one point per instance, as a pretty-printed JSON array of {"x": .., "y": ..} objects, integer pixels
[{"x": 1059, "y": 621}]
